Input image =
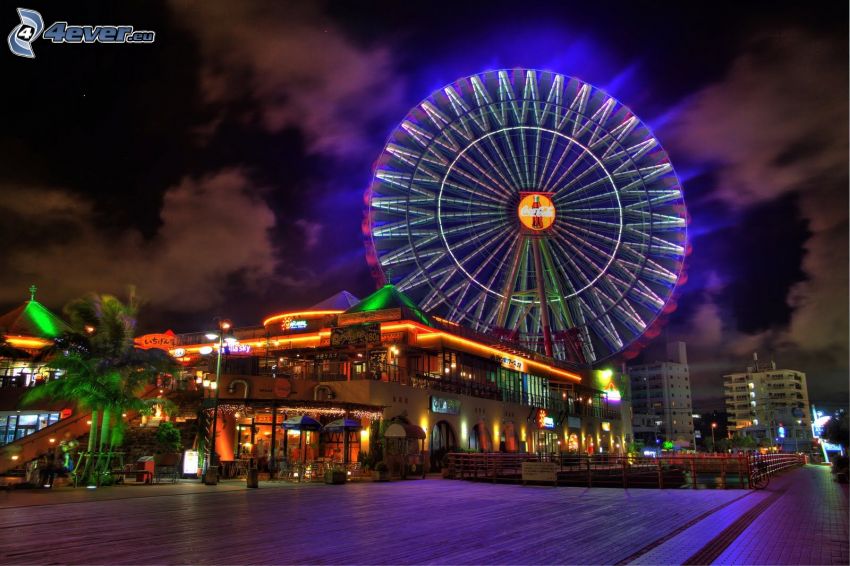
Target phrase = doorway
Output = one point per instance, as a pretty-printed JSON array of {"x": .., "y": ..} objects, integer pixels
[{"x": 443, "y": 441}]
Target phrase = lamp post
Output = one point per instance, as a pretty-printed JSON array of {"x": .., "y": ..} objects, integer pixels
[
  {"x": 713, "y": 445},
  {"x": 223, "y": 327}
]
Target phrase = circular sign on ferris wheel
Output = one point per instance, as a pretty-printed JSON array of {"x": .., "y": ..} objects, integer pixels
[
  {"x": 532, "y": 204},
  {"x": 536, "y": 211}
]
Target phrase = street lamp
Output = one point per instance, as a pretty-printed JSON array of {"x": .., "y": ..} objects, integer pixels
[
  {"x": 223, "y": 327},
  {"x": 713, "y": 445}
]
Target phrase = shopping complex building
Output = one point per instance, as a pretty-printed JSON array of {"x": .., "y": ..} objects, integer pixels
[{"x": 384, "y": 360}]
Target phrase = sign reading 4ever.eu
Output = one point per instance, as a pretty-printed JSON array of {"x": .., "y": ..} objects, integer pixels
[{"x": 445, "y": 406}]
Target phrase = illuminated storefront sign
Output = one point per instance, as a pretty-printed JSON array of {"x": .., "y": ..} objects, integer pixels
[
  {"x": 383, "y": 315},
  {"x": 293, "y": 324},
  {"x": 536, "y": 211},
  {"x": 190, "y": 462},
  {"x": 544, "y": 420},
  {"x": 360, "y": 335},
  {"x": 445, "y": 406},
  {"x": 612, "y": 393},
  {"x": 163, "y": 341},
  {"x": 511, "y": 363},
  {"x": 178, "y": 352},
  {"x": 237, "y": 349},
  {"x": 606, "y": 426}
]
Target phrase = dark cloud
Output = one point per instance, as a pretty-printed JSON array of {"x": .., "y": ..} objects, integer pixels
[
  {"x": 297, "y": 69},
  {"x": 775, "y": 127},
  {"x": 212, "y": 228}
]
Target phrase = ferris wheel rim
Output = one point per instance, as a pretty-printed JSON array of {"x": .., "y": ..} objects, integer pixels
[{"x": 652, "y": 268}]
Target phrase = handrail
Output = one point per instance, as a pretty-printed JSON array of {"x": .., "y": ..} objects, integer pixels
[{"x": 722, "y": 470}]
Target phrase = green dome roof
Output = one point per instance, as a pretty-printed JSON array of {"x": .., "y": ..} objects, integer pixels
[
  {"x": 388, "y": 297},
  {"x": 32, "y": 319}
]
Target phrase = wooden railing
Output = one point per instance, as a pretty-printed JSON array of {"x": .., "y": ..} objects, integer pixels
[{"x": 691, "y": 471}]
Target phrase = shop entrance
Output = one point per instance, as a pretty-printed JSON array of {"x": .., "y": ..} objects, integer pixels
[
  {"x": 443, "y": 440},
  {"x": 547, "y": 442}
]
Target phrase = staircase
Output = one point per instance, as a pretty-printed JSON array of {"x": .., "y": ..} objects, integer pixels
[{"x": 31, "y": 447}]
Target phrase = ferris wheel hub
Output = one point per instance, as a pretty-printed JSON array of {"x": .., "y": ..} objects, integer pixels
[{"x": 536, "y": 211}]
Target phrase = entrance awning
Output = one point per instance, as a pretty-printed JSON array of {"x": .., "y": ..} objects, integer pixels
[
  {"x": 302, "y": 422},
  {"x": 342, "y": 424},
  {"x": 399, "y": 430}
]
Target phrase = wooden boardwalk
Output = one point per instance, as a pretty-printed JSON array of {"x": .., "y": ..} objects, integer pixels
[{"x": 429, "y": 521}]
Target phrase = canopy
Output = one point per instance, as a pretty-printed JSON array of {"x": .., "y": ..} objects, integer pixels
[
  {"x": 302, "y": 422},
  {"x": 398, "y": 430},
  {"x": 342, "y": 424}
]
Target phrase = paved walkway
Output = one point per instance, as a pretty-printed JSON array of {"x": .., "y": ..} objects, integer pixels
[{"x": 434, "y": 521}]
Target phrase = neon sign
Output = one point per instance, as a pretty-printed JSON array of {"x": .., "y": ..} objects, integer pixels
[
  {"x": 613, "y": 393},
  {"x": 293, "y": 324}
]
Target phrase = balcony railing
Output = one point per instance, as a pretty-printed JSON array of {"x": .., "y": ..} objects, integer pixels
[{"x": 471, "y": 388}]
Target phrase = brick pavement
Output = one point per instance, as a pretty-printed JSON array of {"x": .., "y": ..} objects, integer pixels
[
  {"x": 807, "y": 524},
  {"x": 801, "y": 519}
]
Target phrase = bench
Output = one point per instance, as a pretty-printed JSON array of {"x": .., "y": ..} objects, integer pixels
[{"x": 121, "y": 473}]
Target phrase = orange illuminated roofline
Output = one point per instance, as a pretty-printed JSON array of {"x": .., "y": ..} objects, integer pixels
[
  {"x": 27, "y": 342},
  {"x": 302, "y": 314},
  {"x": 427, "y": 332}
]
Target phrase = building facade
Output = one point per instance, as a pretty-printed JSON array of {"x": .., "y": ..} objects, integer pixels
[
  {"x": 383, "y": 360},
  {"x": 661, "y": 399},
  {"x": 27, "y": 332},
  {"x": 770, "y": 405}
]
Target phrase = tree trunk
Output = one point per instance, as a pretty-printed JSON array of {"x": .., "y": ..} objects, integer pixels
[
  {"x": 104, "y": 428},
  {"x": 102, "y": 462},
  {"x": 92, "y": 441}
]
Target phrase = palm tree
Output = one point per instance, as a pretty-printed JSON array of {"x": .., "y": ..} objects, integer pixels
[{"x": 103, "y": 372}]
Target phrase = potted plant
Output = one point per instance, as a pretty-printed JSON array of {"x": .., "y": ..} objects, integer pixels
[
  {"x": 382, "y": 472},
  {"x": 444, "y": 466},
  {"x": 335, "y": 475},
  {"x": 168, "y": 446}
]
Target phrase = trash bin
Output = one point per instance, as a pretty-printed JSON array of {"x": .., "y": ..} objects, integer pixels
[
  {"x": 145, "y": 468},
  {"x": 252, "y": 477},
  {"x": 211, "y": 475}
]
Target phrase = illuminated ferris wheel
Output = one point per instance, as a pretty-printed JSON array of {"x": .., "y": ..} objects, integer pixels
[{"x": 530, "y": 204}]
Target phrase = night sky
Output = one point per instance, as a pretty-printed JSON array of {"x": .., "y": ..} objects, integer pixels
[{"x": 221, "y": 170}]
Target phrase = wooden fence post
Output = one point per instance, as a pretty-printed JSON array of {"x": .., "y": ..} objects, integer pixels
[
  {"x": 625, "y": 473},
  {"x": 693, "y": 472},
  {"x": 589, "y": 474},
  {"x": 723, "y": 473},
  {"x": 660, "y": 475}
]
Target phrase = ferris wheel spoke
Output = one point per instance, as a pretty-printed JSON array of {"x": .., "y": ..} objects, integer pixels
[
  {"x": 565, "y": 189},
  {"x": 502, "y": 164},
  {"x": 478, "y": 151},
  {"x": 607, "y": 196},
  {"x": 580, "y": 272},
  {"x": 631, "y": 155},
  {"x": 513, "y": 166},
  {"x": 496, "y": 185},
  {"x": 598, "y": 121},
  {"x": 615, "y": 137},
  {"x": 576, "y": 152}
]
